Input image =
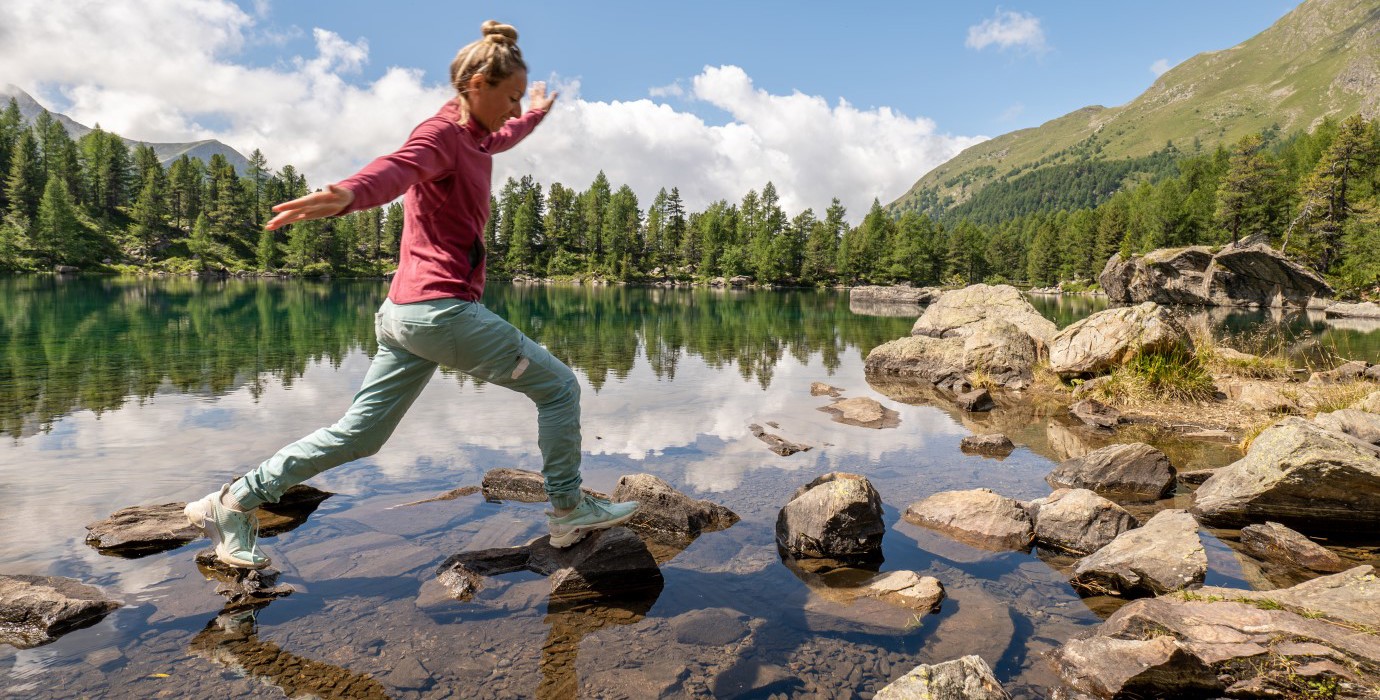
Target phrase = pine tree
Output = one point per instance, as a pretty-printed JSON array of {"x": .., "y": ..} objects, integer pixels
[
  {"x": 24, "y": 186},
  {"x": 1324, "y": 204},
  {"x": 258, "y": 177},
  {"x": 1248, "y": 197},
  {"x": 11, "y": 123},
  {"x": 57, "y": 232},
  {"x": 200, "y": 244},
  {"x": 393, "y": 230},
  {"x": 148, "y": 211}
]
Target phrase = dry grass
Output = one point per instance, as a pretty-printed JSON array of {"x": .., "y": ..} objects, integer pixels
[{"x": 1335, "y": 397}]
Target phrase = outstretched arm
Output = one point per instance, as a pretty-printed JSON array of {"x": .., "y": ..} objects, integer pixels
[
  {"x": 317, "y": 205},
  {"x": 515, "y": 130}
]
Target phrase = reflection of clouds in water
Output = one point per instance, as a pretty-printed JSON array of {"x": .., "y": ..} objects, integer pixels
[{"x": 177, "y": 447}]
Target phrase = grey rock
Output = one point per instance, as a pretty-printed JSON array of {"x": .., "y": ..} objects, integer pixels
[
  {"x": 753, "y": 679},
  {"x": 994, "y": 444},
  {"x": 863, "y": 412},
  {"x": 837, "y": 516},
  {"x": 977, "y": 517},
  {"x": 1351, "y": 371},
  {"x": 35, "y": 610},
  {"x": 1159, "y": 667},
  {"x": 822, "y": 389},
  {"x": 1095, "y": 413},
  {"x": 1080, "y": 521},
  {"x": 669, "y": 512},
  {"x": 1365, "y": 309},
  {"x": 1276, "y": 543},
  {"x": 1166, "y": 554},
  {"x": 1233, "y": 642},
  {"x": 1371, "y": 403},
  {"x": 937, "y": 361},
  {"x": 521, "y": 485},
  {"x": 1300, "y": 474},
  {"x": 1002, "y": 352},
  {"x": 1132, "y": 471},
  {"x": 1362, "y": 425},
  {"x": 967, "y": 678},
  {"x": 959, "y": 312},
  {"x": 242, "y": 589},
  {"x": 918, "y": 296},
  {"x": 1107, "y": 339},
  {"x": 1242, "y": 274},
  {"x": 1267, "y": 397},
  {"x": 138, "y": 531},
  {"x": 607, "y": 563},
  {"x": 1197, "y": 476},
  {"x": 776, "y": 442},
  {"x": 975, "y": 401}
]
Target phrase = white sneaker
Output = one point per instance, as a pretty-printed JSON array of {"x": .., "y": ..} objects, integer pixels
[{"x": 235, "y": 534}]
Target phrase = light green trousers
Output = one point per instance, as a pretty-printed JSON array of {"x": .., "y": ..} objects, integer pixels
[{"x": 413, "y": 340}]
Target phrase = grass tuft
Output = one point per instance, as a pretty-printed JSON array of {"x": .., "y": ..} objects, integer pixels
[{"x": 1177, "y": 375}]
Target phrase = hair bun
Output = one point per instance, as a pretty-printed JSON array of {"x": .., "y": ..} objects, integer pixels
[{"x": 499, "y": 33}]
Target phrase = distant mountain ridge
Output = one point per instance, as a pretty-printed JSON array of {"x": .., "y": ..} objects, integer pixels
[
  {"x": 1320, "y": 60},
  {"x": 29, "y": 109}
]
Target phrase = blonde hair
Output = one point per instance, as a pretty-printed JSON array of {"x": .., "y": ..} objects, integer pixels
[{"x": 495, "y": 56}]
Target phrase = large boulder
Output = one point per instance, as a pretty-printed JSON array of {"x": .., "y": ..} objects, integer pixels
[
  {"x": 1079, "y": 521},
  {"x": 35, "y": 610},
  {"x": 937, "y": 361},
  {"x": 958, "y": 313},
  {"x": 1002, "y": 352},
  {"x": 1107, "y": 339},
  {"x": 1298, "y": 473},
  {"x": 967, "y": 678},
  {"x": 1254, "y": 274},
  {"x": 837, "y": 516},
  {"x": 1129, "y": 472},
  {"x": 978, "y": 517},
  {"x": 1166, "y": 276},
  {"x": 1304, "y": 641},
  {"x": 1166, "y": 554},
  {"x": 1248, "y": 273},
  {"x": 668, "y": 512}
]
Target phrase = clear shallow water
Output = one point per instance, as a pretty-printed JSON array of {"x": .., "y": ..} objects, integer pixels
[{"x": 124, "y": 392}]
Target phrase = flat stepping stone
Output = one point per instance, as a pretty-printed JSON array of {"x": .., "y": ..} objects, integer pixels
[
  {"x": 36, "y": 610},
  {"x": 607, "y": 563},
  {"x": 243, "y": 589},
  {"x": 139, "y": 531}
]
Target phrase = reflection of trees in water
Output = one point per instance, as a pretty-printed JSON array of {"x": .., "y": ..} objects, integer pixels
[{"x": 94, "y": 344}]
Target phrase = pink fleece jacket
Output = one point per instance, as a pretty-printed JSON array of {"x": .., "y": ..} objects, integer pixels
[{"x": 445, "y": 169}]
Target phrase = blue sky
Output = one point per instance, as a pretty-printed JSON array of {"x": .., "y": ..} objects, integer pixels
[{"x": 712, "y": 97}]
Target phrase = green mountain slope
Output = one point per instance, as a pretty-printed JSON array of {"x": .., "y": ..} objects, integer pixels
[{"x": 1322, "y": 59}]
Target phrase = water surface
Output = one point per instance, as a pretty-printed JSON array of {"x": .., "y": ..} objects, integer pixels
[{"x": 119, "y": 392}]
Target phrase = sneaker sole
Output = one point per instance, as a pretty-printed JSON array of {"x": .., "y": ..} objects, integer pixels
[
  {"x": 207, "y": 526},
  {"x": 579, "y": 532}
]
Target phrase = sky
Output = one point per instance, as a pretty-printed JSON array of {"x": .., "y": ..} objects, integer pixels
[{"x": 712, "y": 97}]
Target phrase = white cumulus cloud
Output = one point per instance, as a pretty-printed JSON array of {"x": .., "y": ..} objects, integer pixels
[
  {"x": 1008, "y": 29},
  {"x": 177, "y": 70},
  {"x": 1160, "y": 67}
]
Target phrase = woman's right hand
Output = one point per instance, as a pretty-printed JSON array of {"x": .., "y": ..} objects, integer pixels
[{"x": 317, "y": 205}]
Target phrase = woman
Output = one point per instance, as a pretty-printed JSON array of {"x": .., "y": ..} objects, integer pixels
[{"x": 432, "y": 315}]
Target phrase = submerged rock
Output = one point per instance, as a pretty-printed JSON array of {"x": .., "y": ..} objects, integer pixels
[
  {"x": 1079, "y": 521},
  {"x": 968, "y": 678},
  {"x": 1133, "y": 471},
  {"x": 994, "y": 444},
  {"x": 776, "y": 443},
  {"x": 918, "y": 296},
  {"x": 1300, "y": 474},
  {"x": 1275, "y": 543},
  {"x": 977, "y": 517},
  {"x": 1107, "y": 339},
  {"x": 35, "y": 610},
  {"x": 837, "y": 516},
  {"x": 822, "y": 389},
  {"x": 668, "y": 512},
  {"x": 1166, "y": 554},
  {"x": 1293, "y": 642}
]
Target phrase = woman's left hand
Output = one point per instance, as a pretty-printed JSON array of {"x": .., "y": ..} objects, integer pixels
[{"x": 538, "y": 99}]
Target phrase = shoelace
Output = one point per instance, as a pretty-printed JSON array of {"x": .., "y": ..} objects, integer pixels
[{"x": 247, "y": 530}]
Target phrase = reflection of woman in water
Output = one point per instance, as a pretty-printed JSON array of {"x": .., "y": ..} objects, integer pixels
[{"x": 432, "y": 315}]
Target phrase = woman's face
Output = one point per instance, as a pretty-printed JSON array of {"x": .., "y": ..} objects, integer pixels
[{"x": 492, "y": 105}]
